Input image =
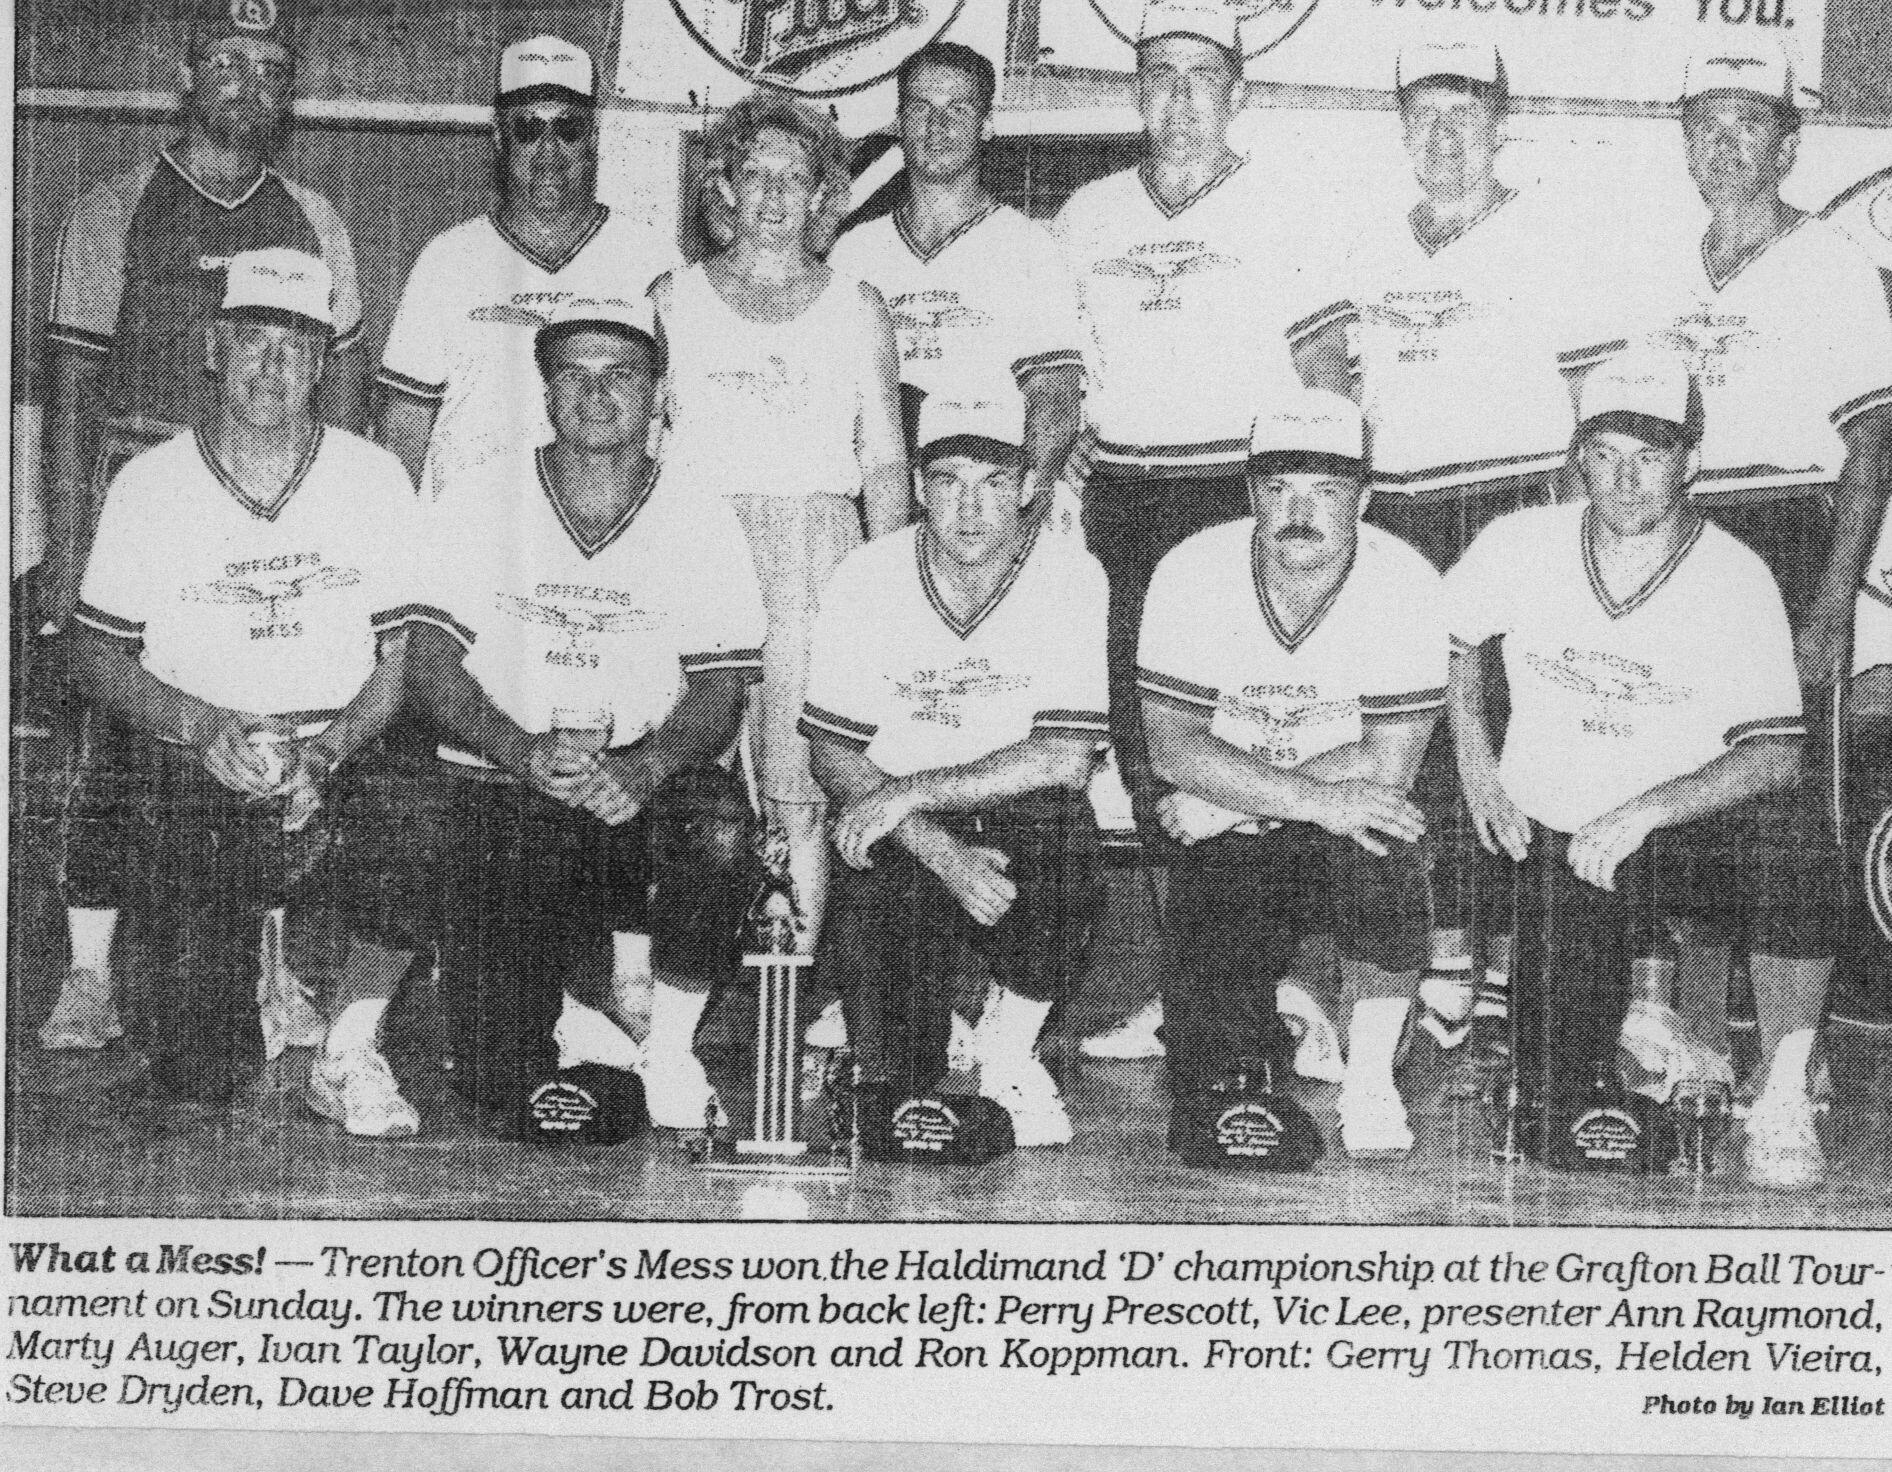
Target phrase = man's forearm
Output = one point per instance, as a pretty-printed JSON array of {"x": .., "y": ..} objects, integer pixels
[
  {"x": 113, "y": 679},
  {"x": 442, "y": 688},
  {"x": 1389, "y": 752},
  {"x": 67, "y": 482},
  {"x": 1465, "y": 702},
  {"x": 1751, "y": 769},
  {"x": 1185, "y": 754},
  {"x": 407, "y": 423},
  {"x": 1858, "y": 510},
  {"x": 698, "y": 729},
  {"x": 1031, "y": 765},
  {"x": 1054, "y": 404},
  {"x": 885, "y": 496},
  {"x": 375, "y": 704},
  {"x": 342, "y": 399}
]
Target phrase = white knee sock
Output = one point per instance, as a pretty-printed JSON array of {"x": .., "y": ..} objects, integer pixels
[
  {"x": 1008, "y": 1029},
  {"x": 91, "y": 932},
  {"x": 630, "y": 956},
  {"x": 1372, "y": 1039},
  {"x": 1788, "y": 1070},
  {"x": 358, "y": 1027}
]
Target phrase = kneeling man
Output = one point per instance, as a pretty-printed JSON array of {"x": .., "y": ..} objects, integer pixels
[
  {"x": 1651, "y": 756},
  {"x": 957, "y": 701},
  {"x": 1292, "y": 669}
]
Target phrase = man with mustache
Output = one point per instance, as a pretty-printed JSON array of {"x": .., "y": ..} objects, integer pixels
[
  {"x": 140, "y": 274},
  {"x": 1292, "y": 669}
]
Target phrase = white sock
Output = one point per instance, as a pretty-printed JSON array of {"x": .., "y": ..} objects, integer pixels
[
  {"x": 1372, "y": 1039},
  {"x": 1451, "y": 950},
  {"x": 630, "y": 956},
  {"x": 358, "y": 1027},
  {"x": 91, "y": 932},
  {"x": 1789, "y": 1067},
  {"x": 673, "y": 1018},
  {"x": 1009, "y": 1027}
]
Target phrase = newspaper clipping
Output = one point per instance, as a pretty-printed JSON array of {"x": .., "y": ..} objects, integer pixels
[{"x": 1119, "y": 722}]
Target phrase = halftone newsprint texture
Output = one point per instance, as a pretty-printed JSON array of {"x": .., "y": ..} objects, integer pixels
[{"x": 955, "y": 720}]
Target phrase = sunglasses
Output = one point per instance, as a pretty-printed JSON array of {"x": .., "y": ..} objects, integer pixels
[{"x": 529, "y": 128}]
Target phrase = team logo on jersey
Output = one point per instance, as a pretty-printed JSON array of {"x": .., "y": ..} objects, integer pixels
[
  {"x": 534, "y": 312},
  {"x": 265, "y": 596},
  {"x": 817, "y": 47},
  {"x": 579, "y": 624},
  {"x": 1708, "y": 340},
  {"x": 922, "y": 316},
  {"x": 1417, "y": 316},
  {"x": 1607, "y": 678},
  {"x": 777, "y": 389},
  {"x": 1262, "y": 25},
  {"x": 938, "y": 696},
  {"x": 1163, "y": 266}
]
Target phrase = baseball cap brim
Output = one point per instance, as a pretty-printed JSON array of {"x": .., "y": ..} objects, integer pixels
[
  {"x": 279, "y": 315},
  {"x": 973, "y": 447}
]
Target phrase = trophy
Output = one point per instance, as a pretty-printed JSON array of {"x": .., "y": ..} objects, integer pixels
[
  {"x": 1702, "y": 1109},
  {"x": 1241, "y": 1123},
  {"x": 787, "y": 1077}
]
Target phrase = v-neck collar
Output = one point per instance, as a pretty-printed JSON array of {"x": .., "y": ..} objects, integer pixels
[
  {"x": 243, "y": 498},
  {"x": 1221, "y": 177},
  {"x": 1721, "y": 283},
  {"x": 1412, "y": 223},
  {"x": 552, "y": 265},
  {"x": 221, "y": 203},
  {"x": 1256, "y": 567},
  {"x": 964, "y": 628},
  {"x": 1655, "y": 580},
  {"x": 965, "y": 227},
  {"x": 612, "y": 532}
]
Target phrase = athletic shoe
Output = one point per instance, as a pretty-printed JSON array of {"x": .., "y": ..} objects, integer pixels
[
  {"x": 1135, "y": 1037},
  {"x": 1027, "y": 1092},
  {"x": 829, "y": 1030},
  {"x": 287, "y": 1014},
  {"x": 676, "y": 1090},
  {"x": 1783, "y": 1148},
  {"x": 1373, "y": 1122},
  {"x": 358, "y": 1092},
  {"x": 85, "y": 1016},
  {"x": 586, "y": 1035},
  {"x": 1317, "y": 1053},
  {"x": 1657, "y": 1054}
]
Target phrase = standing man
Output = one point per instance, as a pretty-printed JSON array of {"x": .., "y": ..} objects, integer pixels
[
  {"x": 1458, "y": 307},
  {"x": 592, "y": 638},
  {"x": 1182, "y": 277},
  {"x": 1292, "y": 669},
  {"x": 979, "y": 294},
  {"x": 954, "y": 713},
  {"x": 1654, "y": 742},
  {"x": 140, "y": 275},
  {"x": 240, "y": 580}
]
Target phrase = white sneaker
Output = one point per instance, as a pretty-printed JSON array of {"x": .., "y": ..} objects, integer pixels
[
  {"x": 358, "y": 1092},
  {"x": 1317, "y": 1041},
  {"x": 1783, "y": 1148},
  {"x": 676, "y": 1090},
  {"x": 586, "y": 1035},
  {"x": 1030, "y": 1095},
  {"x": 85, "y": 1016},
  {"x": 1134, "y": 1037},
  {"x": 829, "y": 1030},
  {"x": 1373, "y": 1122}
]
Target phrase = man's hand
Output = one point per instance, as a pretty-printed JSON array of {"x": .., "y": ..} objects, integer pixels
[
  {"x": 616, "y": 788},
  {"x": 976, "y": 877},
  {"x": 559, "y": 769},
  {"x": 1365, "y": 811},
  {"x": 1501, "y": 828},
  {"x": 1190, "y": 819},
  {"x": 1600, "y": 846},
  {"x": 240, "y": 764},
  {"x": 871, "y": 818},
  {"x": 309, "y": 765}
]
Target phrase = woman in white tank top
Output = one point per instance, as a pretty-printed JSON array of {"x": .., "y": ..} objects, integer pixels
[{"x": 784, "y": 398}]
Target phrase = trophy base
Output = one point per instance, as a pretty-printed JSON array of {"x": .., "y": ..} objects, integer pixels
[{"x": 787, "y": 1158}]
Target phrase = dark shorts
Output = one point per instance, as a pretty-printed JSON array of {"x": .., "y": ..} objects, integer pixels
[{"x": 1238, "y": 908}]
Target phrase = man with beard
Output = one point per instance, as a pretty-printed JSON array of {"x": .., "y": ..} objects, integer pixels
[{"x": 140, "y": 273}]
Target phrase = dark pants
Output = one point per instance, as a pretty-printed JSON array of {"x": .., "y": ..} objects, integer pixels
[
  {"x": 1239, "y": 906},
  {"x": 1763, "y": 874},
  {"x": 400, "y": 839},
  {"x": 208, "y": 864},
  {"x": 895, "y": 934},
  {"x": 1130, "y": 524},
  {"x": 1442, "y": 530}
]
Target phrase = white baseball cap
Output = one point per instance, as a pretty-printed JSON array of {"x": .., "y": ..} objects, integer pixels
[
  {"x": 1214, "y": 21},
  {"x": 1316, "y": 424},
  {"x": 280, "y": 283},
  {"x": 1741, "y": 61},
  {"x": 1474, "y": 61},
  {"x": 983, "y": 427},
  {"x": 1647, "y": 382},
  {"x": 544, "y": 67},
  {"x": 628, "y": 317}
]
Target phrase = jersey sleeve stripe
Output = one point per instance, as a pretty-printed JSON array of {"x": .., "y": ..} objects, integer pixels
[
  {"x": 414, "y": 388},
  {"x": 818, "y": 722},
  {"x": 1072, "y": 723},
  {"x": 1876, "y": 593},
  {"x": 1586, "y": 357},
  {"x": 1413, "y": 702},
  {"x": 1031, "y": 363},
  {"x": 1163, "y": 461},
  {"x": 746, "y": 661},
  {"x": 109, "y": 623},
  {"x": 1327, "y": 316},
  {"x": 1774, "y": 726},
  {"x": 425, "y": 613},
  {"x": 1468, "y": 474},
  {"x": 68, "y": 336},
  {"x": 1847, "y": 412},
  {"x": 345, "y": 340},
  {"x": 1171, "y": 688}
]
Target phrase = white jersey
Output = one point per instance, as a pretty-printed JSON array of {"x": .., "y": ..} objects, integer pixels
[
  {"x": 1188, "y": 312},
  {"x": 1872, "y": 625},
  {"x": 1213, "y": 641},
  {"x": 1458, "y": 345},
  {"x": 992, "y": 305},
  {"x": 898, "y": 676},
  {"x": 1864, "y": 212},
  {"x": 1789, "y": 349},
  {"x": 553, "y": 621},
  {"x": 267, "y": 611},
  {"x": 462, "y": 336},
  {"x": 1609, "y": 698},
  {"x": 767, "y": 408}
]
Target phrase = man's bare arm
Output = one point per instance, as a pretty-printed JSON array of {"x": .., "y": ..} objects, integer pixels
[
  {"x": 1322, "y": 361},
  {"x": 75, "y": 386},
  {"x": 342, "y": 398},
  {"x": 407, "y": 423},
  {"x": 1858, "y": 508},
  {"x": 1054, "y": 412}
]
